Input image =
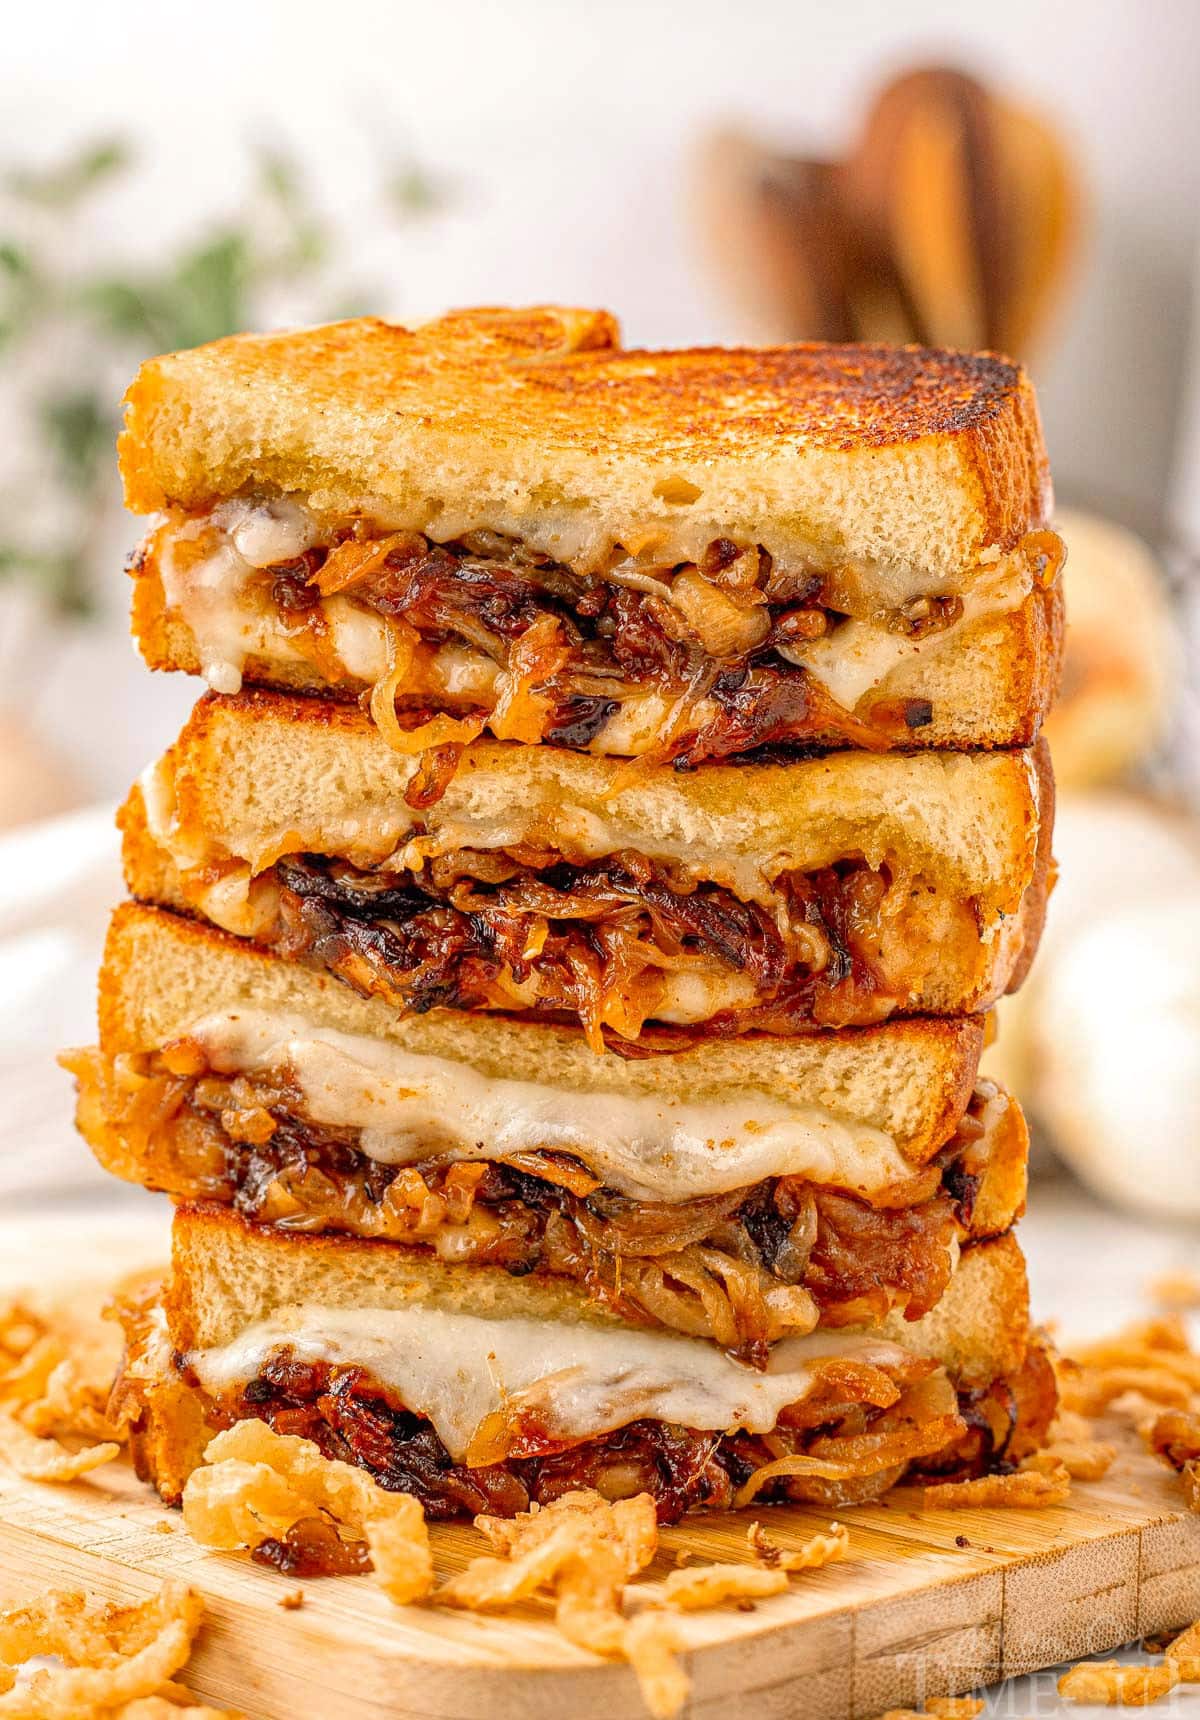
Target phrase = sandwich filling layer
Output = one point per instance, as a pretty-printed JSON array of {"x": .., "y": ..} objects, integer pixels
[
  {"x": 642, "y": 1212},
  {"x": 470, "y": 1417},
  {"x": 703, "y": 659},
  {"x": 621, "y": 942}
]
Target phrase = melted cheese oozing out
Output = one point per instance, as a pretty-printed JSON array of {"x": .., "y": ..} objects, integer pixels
[
  {"x": 410, "y": 1106},
  {"x": 229, "y": 623},
  {"x": 858, "y": 656},
  {"x": 210, "y": 593},
  {"x": 578, "y": 1379}
]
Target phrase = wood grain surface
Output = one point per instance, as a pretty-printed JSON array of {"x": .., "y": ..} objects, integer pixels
[{"x": 928, "y": 1603}]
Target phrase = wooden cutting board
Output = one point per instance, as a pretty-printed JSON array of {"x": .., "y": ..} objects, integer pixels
[{"x": 928, "y": 1603}]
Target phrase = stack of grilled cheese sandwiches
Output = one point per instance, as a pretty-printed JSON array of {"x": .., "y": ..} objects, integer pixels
[{"x": 560, "y": 942}]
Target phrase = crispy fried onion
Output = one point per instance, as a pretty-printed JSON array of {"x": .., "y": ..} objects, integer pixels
[
  {"x": 1184, "y": 1653},
  {"x": 710, "y": 1585},
  {"x": 1110, "y": 1683},
  {"x": 1178, "y": 1289},
  {"x": 581, "y": 1551},
  {"x": 1071, "y": 1441},
  {"x": 1146, "y": 1367},
  {"x": 55, "y": 1376},
  {"x": 1175, "y": 1437},
  {"x": 810, "y": 1555},
  {"x": 258, "y": 1487},
  {"x": 1041, "y": 1480},
  {"x": 700, "y": 1586},
  {"x": 939, "y": 1708},
  {"x": 117, "y": 1662}
]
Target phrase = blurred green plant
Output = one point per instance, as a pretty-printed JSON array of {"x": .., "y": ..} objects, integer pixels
[{"x": 118, "y": 316}]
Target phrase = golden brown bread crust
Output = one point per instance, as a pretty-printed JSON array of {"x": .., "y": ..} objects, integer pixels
[
  {"x": 839, "y": 396},
  {"x": 1000, "y": 1198},
  {"x": 913, "y": 1077},
  {"x": 1037, "y": 897},
  {"x": 565, "y": 369},
  {"x": 535, "y": 409}
]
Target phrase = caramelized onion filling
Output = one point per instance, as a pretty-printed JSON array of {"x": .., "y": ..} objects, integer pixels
[
  {"x": 677, "y": 663},
  {"x": 614, "y": 944}
]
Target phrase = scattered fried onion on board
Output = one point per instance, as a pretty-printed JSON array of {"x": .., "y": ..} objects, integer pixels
[
  {"x": 818, "y": 1550},
  {"x": 699, "y": 1586},
  {"x": 117, "y": 1662},
  {"x": 54, "y": 1382},
  {"x": 582, "y": 1550},
  {"x": 1150, "y": 1362},
  {"x": 1184, "y": 1654},
  {"x": 1135, "y": 1686},
  {"x": 1036, "y": 1483},
  {"x": 1180, "y": 1289},
  {"x": 257, "y": 1485},
  {"x": 1071, "y": 1441},
  {"x": 1107, "y": 1681},
  {"x": 1149, "y": 1374},
  {"x": 939, "y": 1708},
  {"x": 1175, "y": 1437}
]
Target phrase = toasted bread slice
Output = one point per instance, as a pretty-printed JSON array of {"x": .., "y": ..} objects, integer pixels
[
  {"x": 960, "y": 843},
  {"x": 258, "y": 775},
  {"x": 859, "y": 1109},
  {"x": 252, "y": 1320},
  {"x": 535, "y": 423}
]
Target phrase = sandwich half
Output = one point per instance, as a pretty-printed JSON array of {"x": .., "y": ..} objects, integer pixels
[
  {"x": 823, "y": 893},
  {"x": 477, "y": 1392},
  {"x": 741, "y": 1190},
  {"x": 501, "y": 520}
]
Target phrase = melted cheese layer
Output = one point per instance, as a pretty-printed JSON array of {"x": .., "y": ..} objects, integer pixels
[
  {"x": 578, "y": 1379},
  {"x": 857, "y": 657},
  {"x": 410, "y": 1107}
]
